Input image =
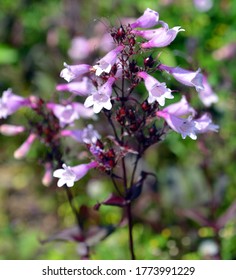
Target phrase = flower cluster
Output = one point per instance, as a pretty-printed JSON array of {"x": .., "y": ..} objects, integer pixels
[{"x": 109, "y": 87}]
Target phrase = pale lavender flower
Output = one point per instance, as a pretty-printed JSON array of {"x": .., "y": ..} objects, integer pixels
[
  {"x": 83, "y": 112},
  {"x": 186, "y": 77},
  {"x": 207, "y": 95},
  {"x": 101, "y": 98},
  {"x": 70, "y": 72},
  {"x": 69, "y": 175},
  {"x": 163, "y": 38},
  {"x": 65, "y": 114},
  {"x": 204, "y": 124},
  {"x": 22, "y": 151},
  {"x": 105, "y": 64},
  {"x": 157, "y": 91},
  {"x": 69, "y": 113},
  {"x": 88, "y": 135},
  {"x": 147, "y": 20},
  {"x": 81, "y": 88},
  {"x": 180, "y": 108},
  {"x": 11, "y": 130},
  {"x": 148, "y": 33},
  {"x": 186, "y": 127},
  {"x": 10, "y": 103}
]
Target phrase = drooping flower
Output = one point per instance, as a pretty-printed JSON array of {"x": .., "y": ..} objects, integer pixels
[
  {"x": 22, "y": 151},
  {"x": 69, "y": 175},
  {"x": 184, "y": 126},
  {"x": 70, "y": 72},
  {"x": 81, "y": 88},
  {"x": 163, "y": 37},
  {"x": 157, "y": 91},
  {"x": 207, "y": 95},
  {"x": 10, "y": 103},
  {"x": 65, "y": 114},
  {"x": 105, "y": 64},
  {"x": 147, "y": 20},
  {"x": 101, "y": 98},
  {"x": 186, "y": 77},
  {"x": 181, "y": 108},
  {"x": 10, "y": 130},
  {"x": 88, "y": 135},
  {"x": 69, "y": 113},
  {"x": 204, "y": 124},
  {"x": 148, "y": 33}
]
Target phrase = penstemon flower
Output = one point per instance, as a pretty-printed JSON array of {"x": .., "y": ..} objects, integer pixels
[
  {"x": 10, "y": 103},
  {"x": 163, "y": 38},
  {"x": 180, "y": 108},
  {"x": 81, "y": 88},
  {"x": 129, "y": 122},
  {"x": 69, "y": 113},
  {"x": 22, "y": 151},
  {"x": 10, "y": 130},
  {"x": 204, "y": 124},
  {"x": 102, "y": 98},
  {"x": 186, "y": 77},
  {"x": 149, "y": 18},
  {"x": 184, "y": 126},
  {"x": 105, "y": 63},
  {"x": 70, "y": 72},
  {"x": 88, "y": 135},
  {"x": 69, "y": 175},
  {"x": 157, "y": 91},
  {"x": 207, "y": 95}
]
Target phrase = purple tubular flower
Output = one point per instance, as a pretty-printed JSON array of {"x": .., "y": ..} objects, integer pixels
[
  {"x": 70, "y": 72},
  {"x": 81, "y": 88},
  {"x": 186, "y": 127},
  {"x": 69, "y": 175},
  {"x": 204, "y": 124},
  {"x": 88, "y": 135},
  {"x": 105, "y": 64},
  {"x": 101, "y": 98},
  {"x": 147, "y": 20},
  {"x": 163, "y": 38},
  {"x": 180, "y": 108},
  {"x": 65, "y": 114},
  {"x": 69, "y": 113},
  {"x": 149, "y": 33},
  {"x": 157, "y": 91},
  {"x": 22, "y": 151},
  {"x": 11, "y": 130},
  {"x": 10, "y": 103},
  {"x": 186, "y": 77},
  {"x": 207, "y": 95}
]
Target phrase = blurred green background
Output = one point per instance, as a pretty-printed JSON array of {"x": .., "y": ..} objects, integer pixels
[{"x": 191, "y": 212}]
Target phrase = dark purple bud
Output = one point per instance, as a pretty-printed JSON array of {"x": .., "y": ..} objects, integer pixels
[
  {"x": 133, "y": 66},
  {"x": 149, "y": 61}
]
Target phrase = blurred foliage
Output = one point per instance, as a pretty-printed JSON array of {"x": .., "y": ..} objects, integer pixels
[{"x": 192, "y": 175}]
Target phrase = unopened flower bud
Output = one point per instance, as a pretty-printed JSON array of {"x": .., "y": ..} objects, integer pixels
[{"x": 149, "y": 61}]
